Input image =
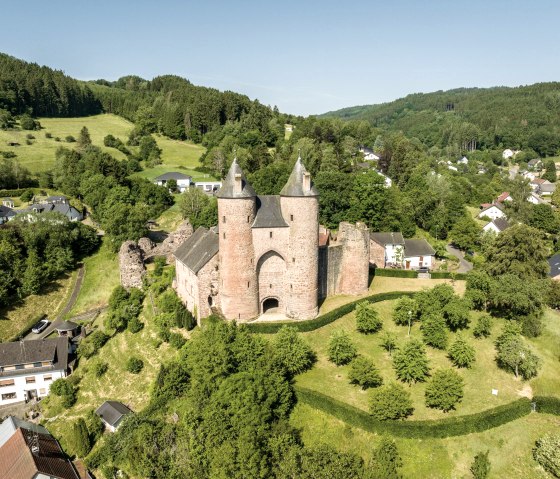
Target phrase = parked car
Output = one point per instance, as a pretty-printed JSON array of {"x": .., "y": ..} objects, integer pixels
[
  {"x": 40, "y": 326},
  {"x": 423, "y": 269}
]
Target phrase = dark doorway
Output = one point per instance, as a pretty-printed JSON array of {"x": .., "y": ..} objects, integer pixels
[{"x": 270, "y": 305}]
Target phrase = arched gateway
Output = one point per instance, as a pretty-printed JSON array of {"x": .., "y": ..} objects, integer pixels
[{"x": 271, "y": 270}]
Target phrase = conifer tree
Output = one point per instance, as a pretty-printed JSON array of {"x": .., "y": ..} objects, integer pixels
[
  {"x": 341, "y": 349},
  {"x": 411, "y": 362},
  {"x": 461, "y": 353},
  {"x": 79, "y": 438},
  {"x": 434, "y": 331},
  {"x": 367, "y": 318},
  {"x": 385, "y": 462},
  {"x": 84, "y": 139},
  {"x": 480, "y": 468}
]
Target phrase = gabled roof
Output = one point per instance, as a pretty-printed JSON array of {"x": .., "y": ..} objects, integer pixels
[
  {"x": 534, "y": 161},
  {"x": 34, "y": 351},
  {"x": 269, "y": 213},
  {"x": 547, "y": 187},
  {"x": 63, "y": 208},
  {"x": 198, "y": 249},
  {"x": 65, "y": 326},
  {"x": 417, "y": 247},
  {"x": 503, "y": 196},
  {"x": 6, "y": 212},
  {"x": 387, "y": 238},
  {"x": 173, "y": 175},
  {"x": 12, "y": 423},
  {"x": 554, "y": 263},
  {"x": 50, "y": 199},
  {"x": 112, "y": 412},
  {"x": 294, "y": 185},
  {"x": 501, "y": 224},
  {"x": 497, "y": 205},
  {"x": 227, "y": 189},
  {"x": 539, "y": 181},
  {"x": 19, "y": 460}
]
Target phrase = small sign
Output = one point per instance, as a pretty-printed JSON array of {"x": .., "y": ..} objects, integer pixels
[{"x": 494, "y": 392}]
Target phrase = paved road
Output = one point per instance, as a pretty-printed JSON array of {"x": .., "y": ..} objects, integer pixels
[{"x": 464, "y": 265}]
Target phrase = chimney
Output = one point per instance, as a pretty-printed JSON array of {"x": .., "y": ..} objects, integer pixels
[
  {"x": 306, "y": 181},
  {"x": 237, "y": 186}
]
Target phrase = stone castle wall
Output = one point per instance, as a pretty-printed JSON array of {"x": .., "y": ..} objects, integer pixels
[
  {"x": 376, "y": 254},
  {"x": 354, "y": 274}
]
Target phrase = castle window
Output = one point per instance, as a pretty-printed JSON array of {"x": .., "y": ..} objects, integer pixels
[
  {"x": 248, "y": 284},
  {"x": 248, "y": 219},
  {"x": 293, "y": 260},
  {"x": 291, "y": 286},
  {"x": 271, "y": 234},
  {"x": 291, "y": 217},
  {"x": 223, "y": 219},
  {"x": 270, "y": 285},
  {"x": 224, "y": 236}
]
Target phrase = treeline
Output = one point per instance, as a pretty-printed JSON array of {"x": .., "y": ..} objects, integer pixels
[
  {"x": 521, "y": 117},
  {"x": 34, "y": 252},
  {"x": 41, "y": 91}
]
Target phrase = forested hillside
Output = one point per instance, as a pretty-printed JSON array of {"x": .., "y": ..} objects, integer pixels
[{"x": 526, "y": 116}]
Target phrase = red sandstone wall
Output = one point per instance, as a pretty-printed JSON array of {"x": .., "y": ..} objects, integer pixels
[
  {"x": 376, "y": 254},
  {"x": 354, "y": 271}
]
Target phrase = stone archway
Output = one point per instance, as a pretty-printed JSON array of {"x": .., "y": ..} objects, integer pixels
[
  {"x": 270, "y": 305},
  {"x": 271, "y": 270}
]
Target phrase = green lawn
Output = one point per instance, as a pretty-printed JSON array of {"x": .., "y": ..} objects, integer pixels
[
  {"x": 170, "y": 219},
  {"x": 101, "y": 277}
]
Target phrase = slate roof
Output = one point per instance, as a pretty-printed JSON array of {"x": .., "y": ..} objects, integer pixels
[
  {"x": 112, "y": 412},
  {"x": 197, "y": 250},
  {"x": 501, "y": 224},
  {"x": 417, "y": 247},
  {"x": 269, "y": 213},
  {"x": 173, "y": 175},
  {"x": 34, "y": 351},
  {"x": 65, "y": 209},
  {"x": 11, "y": 425},
  {"x": 294, "y": 186},
  {"x": 554, "y": 263},
  {"x": 228, "y": 185},
  {"x": 19, "y": 462},
  {"x": 387, "y": 238},
  {"x": 6, "y": 212},
  {"x": 53, "y": 199}
]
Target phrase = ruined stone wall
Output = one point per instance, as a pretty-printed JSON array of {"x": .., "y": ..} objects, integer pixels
[
  {"x": 330, "y": 269},
  {"x": 208, "y": 289},
  {"x": 354, "y": 272},
  {"x": 168, "y": 246},
  {"x": 376, "y": 254},
  {"x": 131, "y": 263}
]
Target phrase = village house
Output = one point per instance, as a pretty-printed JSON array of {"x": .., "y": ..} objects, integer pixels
[
  {"x": 492, "y": 211},
  {"x": 28, "y": 368},
  {"x": 112, "y": 413},
  {"x": 368, "y": 153},
  {"x": 529, "y": 175},
  {"x": 509, "y": 153},
  {"x": 496, "y": 226},
  {"x": 56, "y": 200},
  {"x": 9, "y": 202},
  {"x": 183, "y": 181},
  {"x": 63, "y": 208},
  {"x": 505, "y": 196},
  {"x": 535, "y": 199},
  {"x": 6, "y": 214},
  {"x": 386, "y": 250},
  {"x": 463, "y": 161},
  {"x": 209, "y": 187},
  {"x": 388, "y": 181},
  {"x": 29, "y": 451},
  {"x": 546, "y": 189},
  {"x": 418, "y": 253},
  {"x": 536, "y": 182},
  {"x": 535, "y": 164}
]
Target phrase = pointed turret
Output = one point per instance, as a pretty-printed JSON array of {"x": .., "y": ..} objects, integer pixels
[
  {"x": 299, "y": 182},
  {"x": 235, "y": 185}
]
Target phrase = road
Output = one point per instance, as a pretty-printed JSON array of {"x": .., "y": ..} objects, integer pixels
[{"x": 464, "y": 265}]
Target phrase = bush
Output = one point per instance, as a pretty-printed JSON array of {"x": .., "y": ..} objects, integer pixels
[
  {"x": 134, "y": 365},
  {"x": 184, "y": 318},
  {"x": 61, "y": 387},
  {"x": 483, "y": 327},
  {"x": 48, "y": 135},
  {"x": 292, "y": 351},
  {"x": 547, "y": 453},
  {"x": 79, "y": 438},
  {"x": 27, "y": 195},
  {"x": 98, "y": 339},
  {"x": 367, "y": 318},
  {"x": 28, "y": 123},
  {"x": 411, "y": 362},
  {"x": 444, "y": 390},
  {"x": 100, "y": 368},
  {"x": 135, "y": 325},
  {"x": 395, "y": 273},
  {"x": 547, "y": 405},
  {"x": 364, "y": 373},
  {"x": 94, "y": 425},
  {"x": 176, "y": 340},
  {"x": 29, "y": 136},
  {"x": 341, "y": 349},
  {"x": 406, "y": 309},
  {"x": 390, "y": 402},
  {"x": 70, "y": 139},
  {"x": 532, "y": 326},
  {"x": 461, "y": 353},
  {"x": 480, "y": 468},
  {"x": 434, "y": 331},
  {"x": 386, "y": 460}
]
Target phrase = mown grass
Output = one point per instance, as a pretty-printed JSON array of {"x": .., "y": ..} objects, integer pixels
[
  {"x": 170, "y": 219},
  {"x": 100, "y": 278},
  {"x": 509, "y": 445}
]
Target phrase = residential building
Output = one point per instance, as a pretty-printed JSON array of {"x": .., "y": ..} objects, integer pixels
[
  {"x": 9, "y": 202},
  {"x": 56, "y": 200},
  {"x": 209, "y": 187},
  {"x": 28, "y": 368},
  {"x": 505, "y": 196},
  {"x": 368, "y": 153},
  {"x": 509, "y": 153},
  {"x": 63, "y": 208},
  {"x": 496, "y": 226},
  {"x": 536, "y": 182},
  {"x": 535, "y": 199},
  {"x": 535, "y": 164},
  {"x": 554, "y": 263},
  {"x": 112, "y": 413},
  {"x": 6, "y": 214},
  {"x": 492, "y": 211},
  {"x": 418, "y": 253},
  {"x": 388, "y": 181},
  {"x": 183, "y": 181},
  {"x": 546, "y": 189},
  {"x": 386, "y": 250},
  {"x": 463, "y": 161}
]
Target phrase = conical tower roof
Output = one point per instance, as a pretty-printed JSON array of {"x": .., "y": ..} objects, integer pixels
[
  {"x": 235, "y": 185},
  {"x": 299, "y": 182}
]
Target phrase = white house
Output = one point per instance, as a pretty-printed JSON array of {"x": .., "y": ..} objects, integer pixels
[
  {"x": 509, "y": 153},
  {"x": 209, "y": 186},
  {"x": 535, "y": 164},
  {"x": 7, "y": 201},
  {"x": 386, "y": 249},
  {"x": 528, "y": 175},
  {"x": 492, "y": 211},
  {"x": 452, "y": 168},
  {"x": 418, "y": 253},
  {"x": 112, "y": 413},
  {"x": 535, "y": 199},
  {"x": 496, "y": 226},
  {"x": 183, "y": 181},
  {"x": 546, "y": 189},
  {"x": 463, "y": 161},
  {"x": 368, "y": 153},
  {"x": 28, "y": 368}
]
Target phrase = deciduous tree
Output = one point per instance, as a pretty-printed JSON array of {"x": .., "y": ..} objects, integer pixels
[
  {"x": 411, "y": 362},
  {"x": 444, "y": 390}
]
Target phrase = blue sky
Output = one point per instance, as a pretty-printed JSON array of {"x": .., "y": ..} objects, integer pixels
[{"x": 304, "y": 56}]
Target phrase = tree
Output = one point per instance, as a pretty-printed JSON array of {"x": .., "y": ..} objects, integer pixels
[
  {"x": 324, "y": 462},
  {"x": 385, "y": 462},
  {"x": 364, "y": 373},
  {"x": 28, "y": 123},
  {"x": 292, "y": 351},
  {"x": 79, "y": 438},
  {"x": 461, "y": 353},
  {"x": 134, "y": 365},
  {"x": 149, "y": 150},
  {"x": 192, "y": 204},
  {"x": 341, "y": 349},
  {"x": 444, "y": 390},
  {"x": 405, "y": 312},
  {"x": 479, "y": 285},
  {"x": 514, "y": 355},
  {"x": 483, "y": 326},
  {"x": 466, "y": 233},
  {"x": 547, "y": 453},
  {"x": 457, "y": 313},
  {"x": 544, "y": 218},
  {"x": 515, "y": 297},
  {"x": 550, "y": 173},
  {"x": 83, "y": 138},
  {"x": 367, "y": 318},
  {"x": 411, "y": 362},
  {"x": 390, "y": 402},
  {"x": 434, "y": 331},
  {"x": 388, "y": 342},
  {"x": 480, "y": 468}
]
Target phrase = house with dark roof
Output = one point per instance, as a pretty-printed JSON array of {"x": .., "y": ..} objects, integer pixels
[
  {"x": 28, "y": 451},
  {"x": 535, "y": 164},
  {"x": 554, "y": 263},
  {"x": 386, "y": 250},
  {"x": 496, "y": 226},
  {"x": 418, "y": 253},
  {"x": 546, "y": 189},
  {"x": 6, "y": 214},
  {"x": 183, "y": 181},
  {"x": 63, "y": 208},
  {"x": 28, "y": 368},
  {"x": 112, "y": 413}
]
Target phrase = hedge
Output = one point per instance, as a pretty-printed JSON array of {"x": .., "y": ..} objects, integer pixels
[
  {"x": 4, "y": 193},
  {"x": 454, "y": 426},
  {"x": 324, "y": 319},
  {"x": 447, "y": 275},
  {"x": 547, "y": 405},
  {"x": 395, "y": 273}
]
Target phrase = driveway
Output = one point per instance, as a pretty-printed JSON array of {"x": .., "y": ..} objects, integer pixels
[{"x": 464, "y": 265}]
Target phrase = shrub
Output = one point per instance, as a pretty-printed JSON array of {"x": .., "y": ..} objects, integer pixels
[
  {"x": 176, "y": 340},
  {"x": 135, "y": 325},
  {"x": 70, "y": 139},
  {"x": 341, "y": 349},
  {"x": 411, "y": 362},
  {"x": 61, "y": 387},
  {"x": 134, "y": 365},
  {"x": 27, "y": 195},
  {"x": 390, "y": 402},
  {"x": 532, "y": 326},
  {"x": 406, "y": 309},
  {"x": 395, "y": 273},
  {"x": 483, "y": 327},
  {"x": 98, "y": 339},
  {"x": 79, "y": 438},
  {"x": 386, "y": 460},
  {"x": 94, "y": 425},
  {"x": 434, "y": 331},
  {"x": 48, "y": 135},
  {"x": 364, "y": 373},
  {"x": 292, "y": 351},
  {"x": 444, "y": 390},
  {"x": 29, "y": 136},
  {"x": 57, "y": 138},
  {"x": 168, "y": 302},
  {"x": 547, "y": 453},
  {"x": 100, "y": 368},
  {"x": 461, "y": 353},
  {"x": 480, "y": 468},
  {"x": 28, "y": 123},
  {"x": 28, "y": 142},
  {"x": 388, "y": 342},
  {"x": 184, "y": 318},
  {"x": 367, "y": 318}
]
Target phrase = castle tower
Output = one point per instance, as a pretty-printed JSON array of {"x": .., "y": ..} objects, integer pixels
[
  {"x": 354, "y": 269},
  {"x": 236, "y": 213},
  {"x": 300, "y": 208}
]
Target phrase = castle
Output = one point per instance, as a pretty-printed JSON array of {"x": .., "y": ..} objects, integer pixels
[{"x": 269, "y": 253}]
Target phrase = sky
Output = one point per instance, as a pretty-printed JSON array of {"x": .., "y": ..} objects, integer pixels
[{"x": 306, "y": 57}]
